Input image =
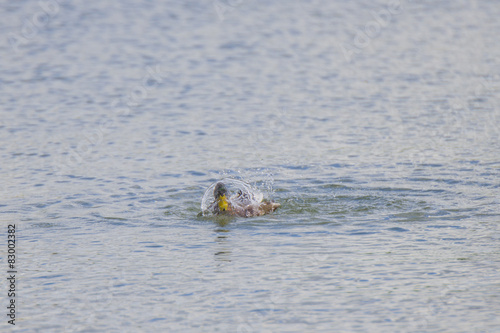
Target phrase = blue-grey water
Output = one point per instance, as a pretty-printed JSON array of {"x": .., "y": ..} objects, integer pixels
[{"x": 374, "y": 123}]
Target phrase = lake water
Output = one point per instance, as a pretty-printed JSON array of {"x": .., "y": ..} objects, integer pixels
[{"x": 374, "y": 123}]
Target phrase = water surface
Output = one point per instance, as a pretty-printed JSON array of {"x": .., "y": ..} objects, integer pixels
[{"x": 375, "y": 127}]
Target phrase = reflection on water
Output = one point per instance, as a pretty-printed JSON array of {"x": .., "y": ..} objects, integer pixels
[{"x": 222, "y": 246}]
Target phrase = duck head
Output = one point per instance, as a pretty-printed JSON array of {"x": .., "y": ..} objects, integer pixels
[{"x": 220, "y": 193}]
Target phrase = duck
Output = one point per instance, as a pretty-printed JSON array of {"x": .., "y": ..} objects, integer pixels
[{"x": 239, "y": 204}]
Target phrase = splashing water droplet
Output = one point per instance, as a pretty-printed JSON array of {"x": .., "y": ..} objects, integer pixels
[{"x": 240, "y": 193}]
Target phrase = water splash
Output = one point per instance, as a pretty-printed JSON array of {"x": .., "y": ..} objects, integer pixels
[{"x": 240, "y": 193}]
